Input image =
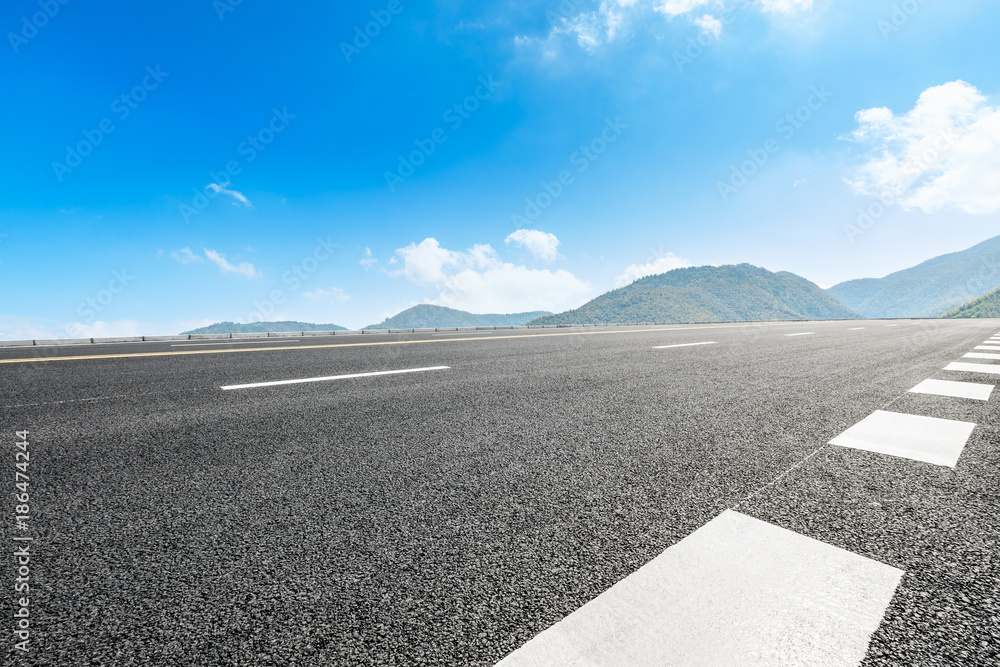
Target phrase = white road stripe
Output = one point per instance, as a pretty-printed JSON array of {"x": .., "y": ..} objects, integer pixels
[
  {"x": 892, "y": 325},
  {"x": 240, "y": 342},
  {"x": 988, "y": 347},
  {"x": 980, "y": 392},
  {"x": 855, "y": 328},
  {"x": 927, "y": 439},
  {"x": 981, "y": 355},
  {"x": 805, "y": 333},
  {"x": 993, "y": 369},
  {"x": 737, "y": 591},
  {"x": 333, "y": 377},
  {"x": 664, "y": 347}
]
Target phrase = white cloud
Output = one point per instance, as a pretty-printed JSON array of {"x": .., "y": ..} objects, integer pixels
[
  {"x": 943, "y": 153},
  {"x": 243, "y": 268},
  {"x": 477, "y": 280},
  {"x": 185, "y": 256},
  {"x": 633, "y": 272},
  {"x": 368, "y": 261},
  {"x": 786, "y": 6},
  {"x": 678, "y": 7},
  {"x": 709, "y": 25},
  {"x": 220, "y": 188},
  {"x": 541, "y": 245},
  {"x": 328, "y": 295}
]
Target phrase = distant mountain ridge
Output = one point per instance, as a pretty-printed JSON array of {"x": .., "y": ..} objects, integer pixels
[
  {"x": 427, "y": 316},
  {"x": 928, "y": 289},
  {"x": 740, "y": 292},
  {"x": 262, "y": 327},
  {"x": 987, "y": 305}
]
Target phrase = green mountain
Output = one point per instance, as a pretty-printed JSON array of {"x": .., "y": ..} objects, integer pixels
[
  {"x": 426, "y": 316},
  {"x": 709, "y": 294},
  {"x": 928, "y": 289},
  {"x": 261, "y": 327},
  {"x": 987, "y": 305}
]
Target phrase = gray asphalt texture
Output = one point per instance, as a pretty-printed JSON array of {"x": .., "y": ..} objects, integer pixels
[{"x": 445, "y": 518}]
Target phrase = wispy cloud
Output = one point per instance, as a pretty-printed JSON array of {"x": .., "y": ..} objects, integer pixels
[
  {"x": 185, "y": 256},
  {"x": 368, "y": 261},
  {"x": 238, "y": 197},
  {"x": 243, "y": 268}
]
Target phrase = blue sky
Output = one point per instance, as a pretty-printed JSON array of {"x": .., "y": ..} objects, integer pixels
[{"x": 173, "y": 164}]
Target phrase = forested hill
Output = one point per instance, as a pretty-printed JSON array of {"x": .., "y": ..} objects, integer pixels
[
  {"x": 426, "y": 316},
  {"x": 928, "y": 289},
  {"x": 987, "y": 305},
  {"x": 709, "y": 294}
]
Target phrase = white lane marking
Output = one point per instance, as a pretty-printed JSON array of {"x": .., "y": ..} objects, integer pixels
[
  {"x": 333, "y": 377},
  {"x": 993, "y": 369},
  {"x": 927, "y": 439},
  {"x": 892, "y": 325},
  {"x": 240, "y": 342},
  {"x": 988, "y": 347},
  {"x": 737, "y": 591},
  {"x": 981, "y": 355},
  {"x": 855, "y": 328},
  {"x": 664, "y": 347},
  {"x": 980, "y": 392},
  {"x": 466, "y": 333},
  {"x": 805, "y": 333}
]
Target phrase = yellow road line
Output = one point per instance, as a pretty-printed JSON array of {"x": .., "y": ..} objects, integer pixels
[{"x": 179, "y": 353}]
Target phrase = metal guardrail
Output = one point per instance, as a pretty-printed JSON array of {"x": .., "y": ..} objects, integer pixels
[{"x": 372, "y": 332}]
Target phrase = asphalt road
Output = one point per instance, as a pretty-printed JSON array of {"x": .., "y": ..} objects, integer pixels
[{"x": 446, "y": 517}]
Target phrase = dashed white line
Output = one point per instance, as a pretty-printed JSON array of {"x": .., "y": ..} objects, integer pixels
[
  {"x": 988, "y": 347},
  {"x": 240, "y": 342},
  {"x": 855, "y": 328},
  {"x": 974, "y": 390},
  {"x": 915, "y": 437},
  {"x": 804, "y": 333},
  {"x": 992, "y": 369},
  {"x": 664, "y": 347},
  {"x": 737, "y": 591},
  {"x": 333, "y": 377}
]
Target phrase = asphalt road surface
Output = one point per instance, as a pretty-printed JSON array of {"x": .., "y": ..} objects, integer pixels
[{"x": 448, "y": 515}]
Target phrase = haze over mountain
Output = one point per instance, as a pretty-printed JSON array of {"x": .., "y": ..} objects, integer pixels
[
  {"x": 709, "y": 294},
  {"x": 928, "y": 289},
  {"x": 987, "y": 305},
  {"x": 426, "y": 316},
  {"x": 262, "y": 327}
]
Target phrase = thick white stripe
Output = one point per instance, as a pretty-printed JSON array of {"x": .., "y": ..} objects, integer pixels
[
  {"x": 980, "y": 392},
  {"x": 988, "y": 347},
  {"x": 993, "y": 369},
  {"x": 333, "y": 377},
  {"x": 928, "y": 439},
  {"x": 664, "y": 347},
  {"x": 805, "y": 333},
  {"x": 981, "y": 355},
  {"x": 737, "y": 591},
  {"x": 855, "y": 328}
]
